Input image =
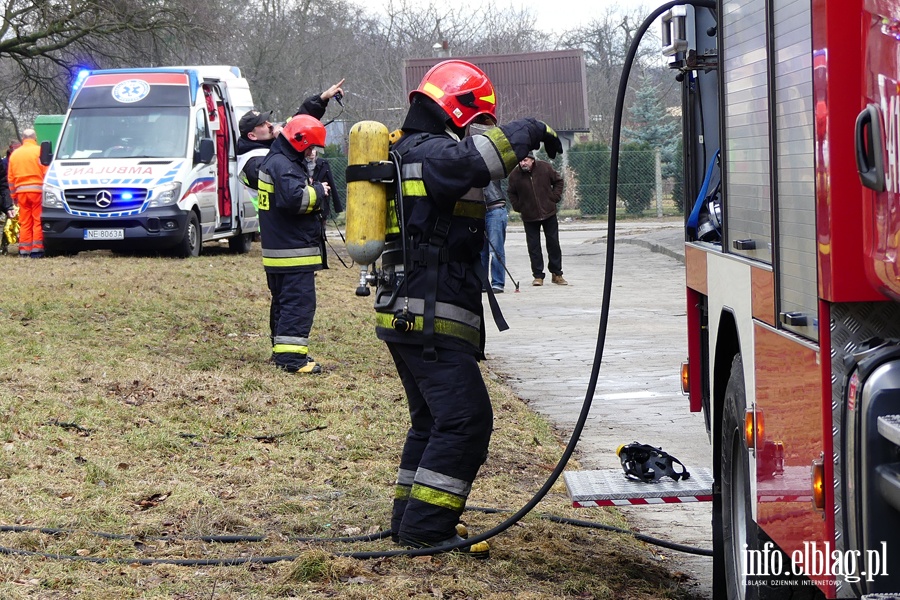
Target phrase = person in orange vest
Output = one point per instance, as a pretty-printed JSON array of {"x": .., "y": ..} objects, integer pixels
[{"x": 26, "y": 185}]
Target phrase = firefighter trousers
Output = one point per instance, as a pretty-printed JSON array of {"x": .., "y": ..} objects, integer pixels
[
  {"x": 291, "y": 317},
  {"x": 31, "y": 236},
  {"x": 451, "y": 423}
]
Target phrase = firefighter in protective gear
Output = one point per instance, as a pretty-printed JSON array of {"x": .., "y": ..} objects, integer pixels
[
  {"x": 292, "y": 239},
  {"x": 428, "y": 303},
  {"x": 26, "y": 185}
]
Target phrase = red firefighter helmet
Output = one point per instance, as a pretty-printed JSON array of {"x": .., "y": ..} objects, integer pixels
[
  {"x": 461, "y": 89},
  {"x": 303, "y": 131}
]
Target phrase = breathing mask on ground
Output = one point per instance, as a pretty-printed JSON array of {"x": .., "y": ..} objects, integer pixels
[{"x": 648, "y": 464}]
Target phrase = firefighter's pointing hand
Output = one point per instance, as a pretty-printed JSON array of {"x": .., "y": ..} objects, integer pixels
[{"x": 330, "y": 92}]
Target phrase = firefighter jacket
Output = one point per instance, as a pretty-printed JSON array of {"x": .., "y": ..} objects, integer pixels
[
  {"x": 535, "y": 193},
  {"x": 290, "y": 222},
  {"x": 438, "y": 302},
  {"x": 26, "y": 173}
]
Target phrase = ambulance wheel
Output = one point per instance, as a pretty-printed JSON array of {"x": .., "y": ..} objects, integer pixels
[
  {"x": 190, "y": 244},
  {"x": 737, "y": 525},
  {"x": 241, "y": 243}
]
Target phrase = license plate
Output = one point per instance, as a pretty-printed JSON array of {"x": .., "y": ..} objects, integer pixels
[{"x": 104, "y": 234}]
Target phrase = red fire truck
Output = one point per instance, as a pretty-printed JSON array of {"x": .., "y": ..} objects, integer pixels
[{"x": 792, "y": 169}]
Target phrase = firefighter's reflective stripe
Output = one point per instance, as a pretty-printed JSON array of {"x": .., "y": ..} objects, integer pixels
[
  {"x": 392, "y": 224},
  {"x": 291, "y": 257},
  {"x": 405, "y": 480},
  {"x": 441, "y": 309},
  {"x": 440, "y": 498},
  {"x": 500, "y": 149},
  {"x": 411, "y": 180},
  {"x": 295, "y": 345},
  {"x": 471, "y": 210},
  {"x": 287, "y": 348},
  {"x": 441, "y": 326},
  {"x": 267, "y": 188},
  {"x": 440, "y": 481},
  {"x": 414, "y": 187},
  {"x": 411, "y": 171},
  {"x": 28, "y": 188}
]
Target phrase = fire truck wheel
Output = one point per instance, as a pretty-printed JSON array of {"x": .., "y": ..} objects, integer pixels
[
  {"x": 190, "y": 244},
  {"x": 737, "y": 523}
]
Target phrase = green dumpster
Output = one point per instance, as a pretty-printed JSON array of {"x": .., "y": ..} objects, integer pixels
[{"x": 48, "y": 127}]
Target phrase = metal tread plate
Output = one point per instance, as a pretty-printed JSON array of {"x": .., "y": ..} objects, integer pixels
[
  {"x": 610, "y": 487},
  {"x": 889, "y": 428}
]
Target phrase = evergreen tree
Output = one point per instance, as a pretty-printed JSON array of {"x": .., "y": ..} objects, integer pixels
[{"x": 651, "y": 125}]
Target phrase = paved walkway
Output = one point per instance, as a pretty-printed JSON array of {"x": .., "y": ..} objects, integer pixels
[{"x": 547, "y": 354}]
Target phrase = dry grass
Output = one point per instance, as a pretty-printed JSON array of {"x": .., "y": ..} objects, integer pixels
[{"x": 135, "y": 398}]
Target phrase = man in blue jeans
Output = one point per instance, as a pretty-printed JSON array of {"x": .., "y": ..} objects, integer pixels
[{"x": 495, "y": 221}]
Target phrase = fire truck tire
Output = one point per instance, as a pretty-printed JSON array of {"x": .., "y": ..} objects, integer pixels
[
  {"x": 737, "y": 524},
  {"x": 738, "y": 527},
  {"x": 189, "y": 245}
]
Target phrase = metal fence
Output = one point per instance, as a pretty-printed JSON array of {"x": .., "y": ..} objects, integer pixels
[{"x": 647, "y": 185}]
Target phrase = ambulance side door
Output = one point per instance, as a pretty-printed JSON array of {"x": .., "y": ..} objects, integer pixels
[{"x": 203, "y": 176}]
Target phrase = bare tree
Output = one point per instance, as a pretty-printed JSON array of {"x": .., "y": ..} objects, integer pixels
[
  {"x": 606, "y": 41},
  {"x": 43, "y": 45}
]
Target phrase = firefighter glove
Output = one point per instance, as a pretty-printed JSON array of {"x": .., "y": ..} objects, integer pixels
[{"x": 552, "y": 144}]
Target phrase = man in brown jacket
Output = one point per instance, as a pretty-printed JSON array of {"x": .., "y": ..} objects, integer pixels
[{"x": 535, "y": 188}]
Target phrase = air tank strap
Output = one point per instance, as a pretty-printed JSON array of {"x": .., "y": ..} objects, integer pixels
[
  {"x": 501, "y": 323},
  {"x": 374, "y": 172}
]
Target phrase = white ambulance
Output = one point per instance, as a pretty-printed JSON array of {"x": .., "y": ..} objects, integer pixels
[{"x": 146, "y": 160}]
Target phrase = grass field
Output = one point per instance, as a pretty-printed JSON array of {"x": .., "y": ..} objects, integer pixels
[{"x": 136, "y": 400}]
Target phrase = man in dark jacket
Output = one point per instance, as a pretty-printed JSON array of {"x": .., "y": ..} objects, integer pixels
[
  {"x": 428, "y": 304},
  {"x": 535, "y": 188},
  {"x": 292, "y": 241},
  {"x": 258, "y": 133}
]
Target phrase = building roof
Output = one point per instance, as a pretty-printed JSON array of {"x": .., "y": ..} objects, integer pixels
[{"x": 550, "y": 86}]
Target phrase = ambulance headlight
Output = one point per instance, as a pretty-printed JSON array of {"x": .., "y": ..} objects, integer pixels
[
  {"x": 165, "y": 195},
  {"x": 53, "y": 197}
]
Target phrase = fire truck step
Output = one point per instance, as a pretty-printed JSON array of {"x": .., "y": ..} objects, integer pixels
[
  {"x": 610, "y": 487},
  {"x": 889, "y": 428}
]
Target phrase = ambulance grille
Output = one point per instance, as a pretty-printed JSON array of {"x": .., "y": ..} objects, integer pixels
[{"x": 105, "y": 200}]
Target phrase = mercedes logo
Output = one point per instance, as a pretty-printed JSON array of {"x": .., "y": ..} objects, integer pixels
[{"x": 103, "y": 198}]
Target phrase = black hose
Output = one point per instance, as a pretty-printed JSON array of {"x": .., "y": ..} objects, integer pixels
[{"x": 233, "y": 539}]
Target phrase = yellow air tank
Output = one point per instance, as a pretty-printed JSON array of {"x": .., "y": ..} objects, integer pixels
[{"x": 366, "y": 200}]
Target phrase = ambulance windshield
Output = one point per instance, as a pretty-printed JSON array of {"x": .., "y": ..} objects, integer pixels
[{"x": 126, "y": 132}]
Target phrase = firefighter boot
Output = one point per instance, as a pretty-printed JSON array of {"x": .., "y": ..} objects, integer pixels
[
  {"x": 461, "y": 530},
  {"x": 309, "y": 368},
  {"x": 480, "y": 550}
]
